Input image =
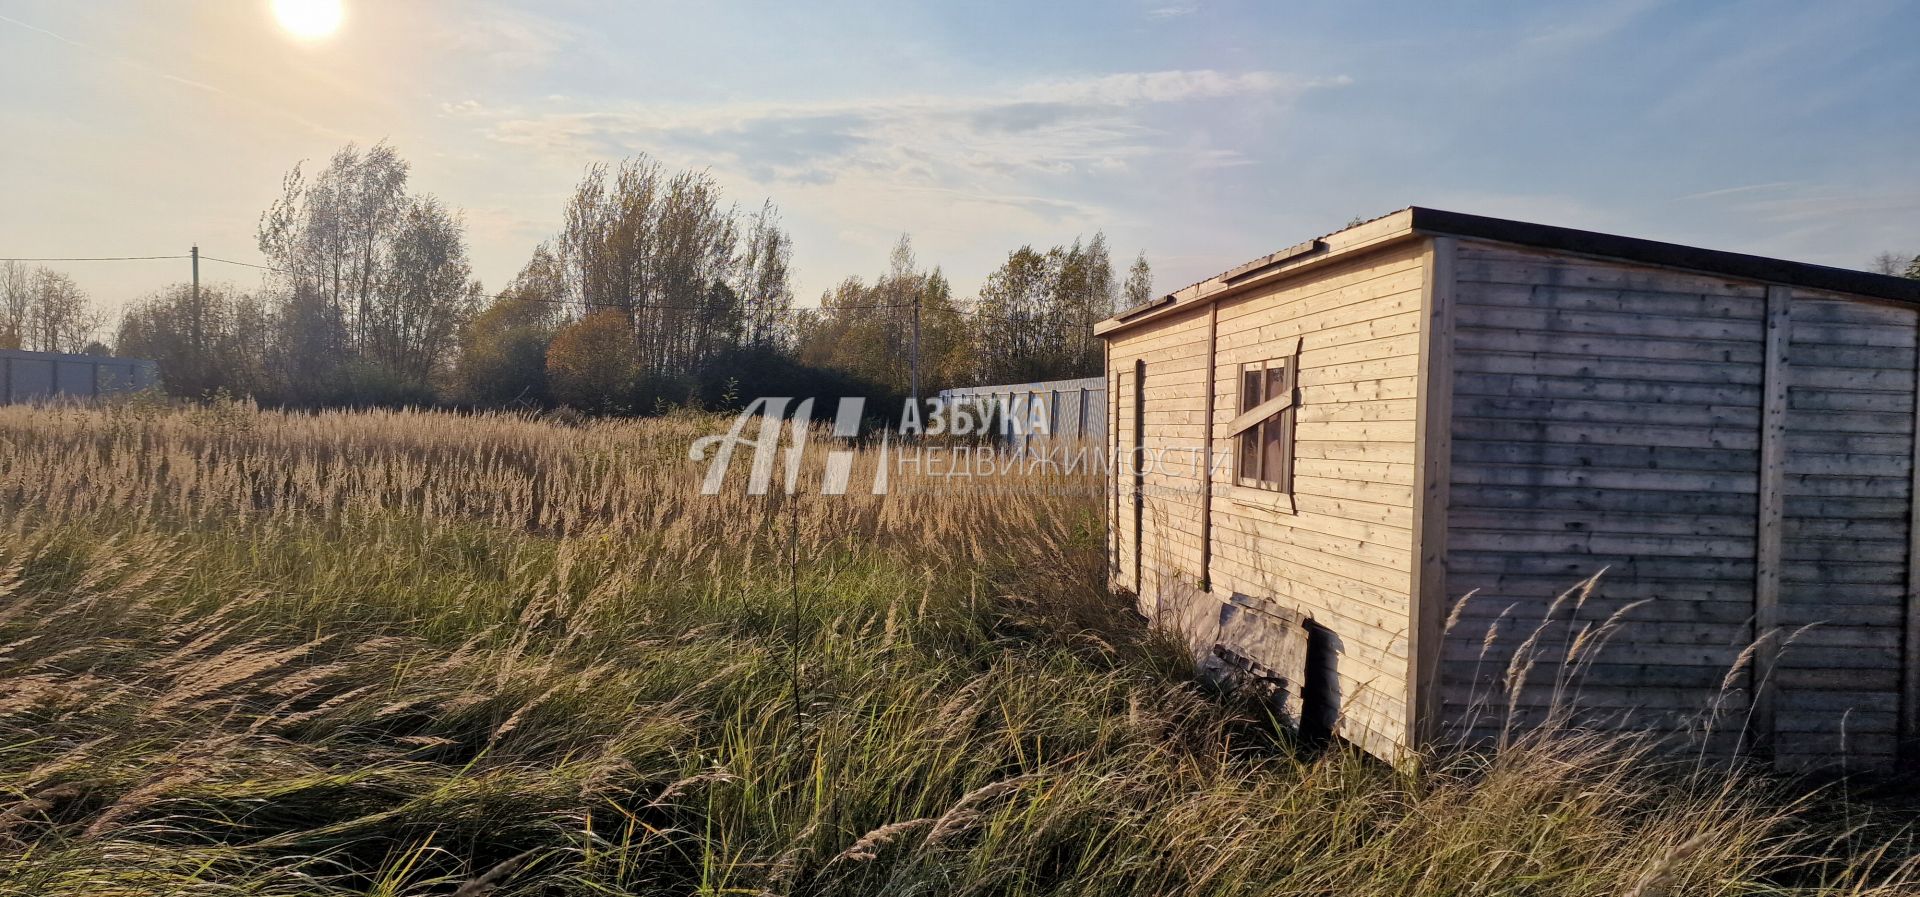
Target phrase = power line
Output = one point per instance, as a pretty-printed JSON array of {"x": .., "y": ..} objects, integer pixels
[
  {"x": 207, "y": 258},
  {"x": 102, "y": 258},
  {"x": 137, "y": 258}
]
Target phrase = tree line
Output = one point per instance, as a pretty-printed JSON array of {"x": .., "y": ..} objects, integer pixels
[{"x": 654, "y": 291}]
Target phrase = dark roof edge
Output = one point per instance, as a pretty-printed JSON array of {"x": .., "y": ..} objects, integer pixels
[{"x": 1667, "y": 255}]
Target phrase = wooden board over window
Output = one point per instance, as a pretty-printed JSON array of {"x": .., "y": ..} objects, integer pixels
[{"x": 1264, "y": 429}]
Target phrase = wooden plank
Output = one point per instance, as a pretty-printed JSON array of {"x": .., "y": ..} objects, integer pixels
[
  {"x": 1591, "y": 385},
  {"x": 1563, "y": 520},
  {"x": 1599, "y": 411},
  {"x": 1910, "y": 657},
  {"x": 1606, "y": 367},
  {"x": 1350, "y": 509},
  {"x": 1258, "y": 413},
  {"x": 1608, "y": 323},
  {"x": 1384, "y": 452},
  {"x": 1206, "y": 478},
  {"x": 1627, "y": 501},
  {"x": 1354, "y": 282},
  {"x": 1651, "y": 349},
  {"x": 1379, "y": 471},
  {"x": 1632, "y": 302},
  {"x": 1346, "y": 312},
  {"x": 1768, "y": 560},
  {"x": 1592, "y": 543},
  {"x": 1496, "y": 264},
  {"x": 1641, "y": 479},
  {"x": 1625, "y": 457},
  {"x": 1393, "y": 537},
  {"x": 1387, "y": 358},
  {"x": 1361, "y": 391},
  {"x": 1520, "y": 429},
  {"x": 1433, "y": 459}
]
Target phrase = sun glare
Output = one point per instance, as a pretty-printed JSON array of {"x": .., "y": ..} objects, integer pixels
[{"x": 308, "y": 19}]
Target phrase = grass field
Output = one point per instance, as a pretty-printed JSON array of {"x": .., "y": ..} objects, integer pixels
[{"x": 414, "y": 653}]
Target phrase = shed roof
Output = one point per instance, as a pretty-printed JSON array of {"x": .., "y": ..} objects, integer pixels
[{"x": 1416, "y": 221}]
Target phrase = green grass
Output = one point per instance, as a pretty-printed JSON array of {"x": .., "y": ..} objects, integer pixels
[{"x": 260, "y": 654}]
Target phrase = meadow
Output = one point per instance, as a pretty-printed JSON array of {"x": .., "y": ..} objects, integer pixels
[{"x": 399, "y": 653}]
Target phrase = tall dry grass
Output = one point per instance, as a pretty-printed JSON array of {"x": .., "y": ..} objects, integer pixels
[{"x": 410, "y": 653}]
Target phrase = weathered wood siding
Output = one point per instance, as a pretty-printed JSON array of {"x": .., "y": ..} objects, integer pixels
[
  {"x": 1845, "y": 533},
  {"x": 1605, "y": 417},
  {"x": 1342, "y": 554},
  {"x": 1611, "y": 417}
]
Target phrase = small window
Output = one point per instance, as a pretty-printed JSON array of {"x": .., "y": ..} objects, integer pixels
[{"x": 1264, "y": 425}]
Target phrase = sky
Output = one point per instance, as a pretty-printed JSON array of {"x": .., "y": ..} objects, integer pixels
[{"x": 1202, "y": 133}]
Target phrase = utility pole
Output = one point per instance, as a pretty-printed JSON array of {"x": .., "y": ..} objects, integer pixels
[{"x": 197, "y": 315}]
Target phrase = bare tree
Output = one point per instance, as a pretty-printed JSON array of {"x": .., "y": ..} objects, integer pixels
[
  {"x": 60, "y": 319},
  {"x": 16, "y": 304},
  {"x": 1891, "y": 263},
  {"x": 43, "y": 310}
]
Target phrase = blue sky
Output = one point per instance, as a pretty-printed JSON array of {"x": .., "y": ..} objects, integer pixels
[{"x": 1204, "y": 133}]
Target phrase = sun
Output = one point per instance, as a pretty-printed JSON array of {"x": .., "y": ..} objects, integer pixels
[{"x": 309, "y": 19}]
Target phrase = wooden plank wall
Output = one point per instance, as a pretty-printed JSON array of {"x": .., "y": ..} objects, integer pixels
[
  {"x": 1604, "y": 417},
  {"x": 1845, "y": 533},
  {"x": 1612, "y": 417},
  {"x": 1175, "y": 354},
  {"x": 1342, "y": 554}
]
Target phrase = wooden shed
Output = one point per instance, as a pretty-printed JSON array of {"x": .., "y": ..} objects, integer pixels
[{"x": 1400, "y": 444}]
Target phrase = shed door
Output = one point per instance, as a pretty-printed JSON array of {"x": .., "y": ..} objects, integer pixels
[{"x": 1845, "y": 533}]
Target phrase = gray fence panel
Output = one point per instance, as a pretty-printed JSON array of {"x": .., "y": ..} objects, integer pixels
[
  {"x": 37, "y": 376},
  {"x": 32, "y": 379},
  {"x": 75, "y": 378},
  {"x": 1068, "y": 409}
]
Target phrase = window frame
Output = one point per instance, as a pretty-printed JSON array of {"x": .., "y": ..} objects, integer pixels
[{"x": 1272, "y": 439}]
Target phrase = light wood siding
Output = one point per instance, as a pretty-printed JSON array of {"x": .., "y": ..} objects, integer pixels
[
  {"x": 1845, "y": 532},
  {"x": 1604, "y": 417},
  {"x": 1166, "y": 550},
  {"x": 1343, "y": 554}
]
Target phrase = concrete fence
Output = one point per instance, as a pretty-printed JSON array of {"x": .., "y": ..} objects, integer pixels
[
  {"x": 1058, "y": 409},
  {"x": 38, "y": 376}
]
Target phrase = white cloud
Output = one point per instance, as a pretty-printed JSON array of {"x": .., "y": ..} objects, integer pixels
[
  {"x": 976, "y": 169},
  {"x": 1736, "y": 191},
  {"x": 978, "y": 141},
  {"x": 464, "y": 108},
  {"x": 496, "y": 37},
  {"x": 1174, "y": 10}
]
